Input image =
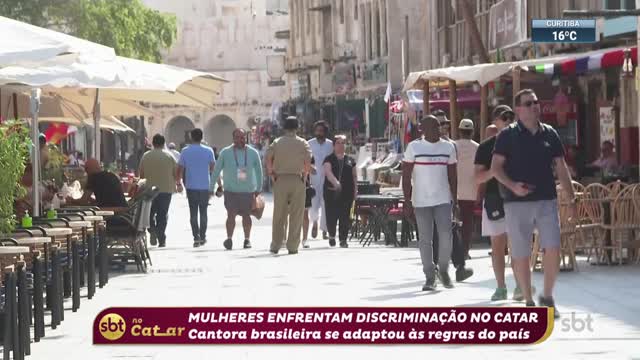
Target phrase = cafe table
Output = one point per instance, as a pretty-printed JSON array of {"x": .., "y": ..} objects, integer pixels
[{"x": 379, "y": 207}]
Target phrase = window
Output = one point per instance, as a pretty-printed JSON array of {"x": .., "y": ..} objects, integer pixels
[
  {"x": 307, "y": 15},
  {"x": 378, "y": 38},
  {"x": 363, "y": 38},
  {"x": 613, "y": 4},
  {"x": 277, "y": 7},
  {"x": 355, "y": 10},
  {"x": 458, "y": 11},
  {"x": 385, "y": 45},
  {"x": 620, "y": 4},
  {"x": 341, "y": 11}
]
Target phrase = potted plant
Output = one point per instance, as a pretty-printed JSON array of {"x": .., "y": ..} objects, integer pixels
[{"x": 14, "y": 152}]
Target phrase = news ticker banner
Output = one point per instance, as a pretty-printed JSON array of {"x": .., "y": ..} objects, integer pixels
[{"x": 323, "y": 326}]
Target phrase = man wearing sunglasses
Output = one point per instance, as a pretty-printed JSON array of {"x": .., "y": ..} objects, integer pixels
[{"x": 524, "y": 159}]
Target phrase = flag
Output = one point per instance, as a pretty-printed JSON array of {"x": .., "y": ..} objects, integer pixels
[
  {"x": 56, "y": 132},
  {"x": 407, "y": 132},
  {"x": 387, "y": 95}
]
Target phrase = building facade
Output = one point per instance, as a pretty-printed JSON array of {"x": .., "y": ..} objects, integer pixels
[
  {"x": 343, "y": 53},
  {"x": 236, "y": 40},
  {"x": 586, "y": 97}
]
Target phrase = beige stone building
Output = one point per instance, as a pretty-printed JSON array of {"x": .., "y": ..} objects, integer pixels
[
  {"x": 343, "y": 53},
  {"x": 233, "y": 39}
]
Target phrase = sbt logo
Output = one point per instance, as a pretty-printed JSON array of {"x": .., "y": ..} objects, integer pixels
[
  {"x": 112, "y": 326},
  {"x": 577, "y": 323}
]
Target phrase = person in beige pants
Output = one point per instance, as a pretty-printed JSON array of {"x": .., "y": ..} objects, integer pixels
[{"x": 288, "y": 164}]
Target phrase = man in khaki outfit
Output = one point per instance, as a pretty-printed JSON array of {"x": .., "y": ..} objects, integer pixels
[{"x": 288, "y": 164}]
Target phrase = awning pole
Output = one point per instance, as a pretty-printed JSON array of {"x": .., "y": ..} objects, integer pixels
[
  {"x": 96, "y": 126},
  {"x": 516, "y": 84},
  {"x": 637, "y": 78},
  {"x": 484, "y": 112},
  {"x": 426, "y": 105},
  {"x": 35, "y": 150},
  {"x": 453, "y": 109}
]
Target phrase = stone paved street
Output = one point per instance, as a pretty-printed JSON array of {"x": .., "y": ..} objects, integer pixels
[{"x": 374, "y": 276}]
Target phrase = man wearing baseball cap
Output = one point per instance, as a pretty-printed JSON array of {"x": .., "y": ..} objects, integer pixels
[
  {"x": 458, "y": 252},
  {"x": 467, "y": 189}
]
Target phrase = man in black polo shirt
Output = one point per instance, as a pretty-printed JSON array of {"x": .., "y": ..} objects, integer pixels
[
  {"x": 105, "y": 186},
  {"x": 524, "y": 159}
]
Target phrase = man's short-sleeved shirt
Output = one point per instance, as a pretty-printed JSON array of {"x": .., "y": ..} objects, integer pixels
[
  {"x": 530, "y": 159},
  {"x": 107, "y": 189},
  {"x": 159, "y": 168},
  {"x": 484, "y": 155},
  {"x": 430, "y": 174},
  {"x": 289, "y": 152},
  {"x": 466, "y": 153},
  {"x": 196, "y": 160}
]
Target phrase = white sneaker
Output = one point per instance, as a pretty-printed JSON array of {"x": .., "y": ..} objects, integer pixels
[{"x": 305, "y": 244}]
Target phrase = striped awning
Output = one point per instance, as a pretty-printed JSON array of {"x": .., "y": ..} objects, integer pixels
[{"x": 576, "y": 64}]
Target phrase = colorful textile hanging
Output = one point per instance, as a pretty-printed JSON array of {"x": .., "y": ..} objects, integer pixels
[
  {"x": 56, "y": 132},
  {"x": 581, "y": 65}
]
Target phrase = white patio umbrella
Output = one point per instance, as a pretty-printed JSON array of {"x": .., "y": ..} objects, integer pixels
[
  {"x": 57, "y": 107},
  {"x": 121, "y": 78},
  {"x": 27, "y": 45},
  {"x": 106, "y": 123}
]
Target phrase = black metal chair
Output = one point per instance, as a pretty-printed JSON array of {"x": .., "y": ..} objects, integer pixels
[
  {"x": 15, "y": 306},
  {"x": 126, "y": 235}
]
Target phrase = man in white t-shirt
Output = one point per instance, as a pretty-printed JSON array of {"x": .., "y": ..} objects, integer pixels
[
  {"x": 429, "y": 180},
  {"x": 321, "y": 147},
  {"x": 467, "y": 190}
]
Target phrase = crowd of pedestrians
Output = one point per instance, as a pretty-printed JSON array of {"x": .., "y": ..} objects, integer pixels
[{"x": 512, "y": 175}]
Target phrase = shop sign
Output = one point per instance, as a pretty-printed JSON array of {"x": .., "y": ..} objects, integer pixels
[
  {"x": 607, "y": 125},
  {"x": 344, "y": 78},
  {"x": 507, "y": 23},
  {"x": 374, "y": 74}
]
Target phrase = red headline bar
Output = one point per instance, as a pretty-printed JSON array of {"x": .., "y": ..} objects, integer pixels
[{"x": 314, "y": 326}]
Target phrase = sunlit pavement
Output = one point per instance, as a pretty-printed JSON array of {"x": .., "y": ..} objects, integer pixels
[{"x": 321, "y": 276}]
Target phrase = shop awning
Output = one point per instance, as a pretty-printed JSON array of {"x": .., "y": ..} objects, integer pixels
[
  {"x": 575, "y": 63},
  {"x": 481, "y": 73},
  {"x": 582, "y": 63}
]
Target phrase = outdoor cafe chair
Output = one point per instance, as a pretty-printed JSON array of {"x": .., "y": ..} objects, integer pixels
[
  {"x": 127, "y": 233},
  {"x": 594, "y": 205},
  {"x": 567, "y": 237},
  {"x": 52, "y": 267},
  {"x": 624, "y": 224},
  {"x": 14, "y": 302},
  {"x": 616, "y": 187}
]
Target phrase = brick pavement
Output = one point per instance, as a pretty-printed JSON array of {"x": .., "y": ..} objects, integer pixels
[{"x": 374, "y": 276}]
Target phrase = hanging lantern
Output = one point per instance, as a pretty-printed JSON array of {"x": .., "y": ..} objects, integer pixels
[{"x": 627, "y": 65}]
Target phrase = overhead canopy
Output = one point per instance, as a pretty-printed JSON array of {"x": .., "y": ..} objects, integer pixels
[
  {"x": 121, "y": 78},
  {"x": 482, "y": 73},
  {"x": 485, "y": 73},
  {"x": 106, "y": 122},
  {"x": 27, "y": 45},
  {"x": 55, "y": 107}
]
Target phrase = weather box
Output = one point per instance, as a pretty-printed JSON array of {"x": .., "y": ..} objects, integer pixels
[{"x": 563, "y": 31}]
